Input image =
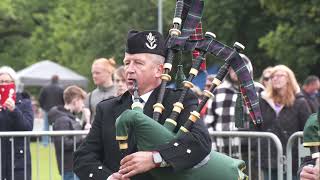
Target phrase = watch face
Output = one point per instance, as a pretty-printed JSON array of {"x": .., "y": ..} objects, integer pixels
[{"x": 157, "y": 157}]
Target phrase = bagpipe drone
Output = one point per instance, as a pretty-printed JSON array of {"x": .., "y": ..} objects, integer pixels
[{"x": 149, "y": 134}]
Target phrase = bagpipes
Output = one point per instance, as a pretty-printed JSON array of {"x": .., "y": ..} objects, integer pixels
[
  {"x": 311, "y": 134},
  {"x": 149, "y": 134}
]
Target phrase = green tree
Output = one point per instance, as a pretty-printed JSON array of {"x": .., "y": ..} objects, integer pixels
[
  {"x": 18, "y": 20},
  {"x": 73, "y": 33},
  {"x": 296, "y": 39},
  {"x": 245, "y": 22}
]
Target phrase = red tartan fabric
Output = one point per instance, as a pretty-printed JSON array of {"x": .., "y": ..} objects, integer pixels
[{"x": 198, "y": 35}]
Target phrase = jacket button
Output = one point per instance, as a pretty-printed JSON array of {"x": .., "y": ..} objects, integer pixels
[
  {"x": 176, "y": 144},
  {"x": 91, "y": 175},
  {"x": 100, "y": 167},
  {"x": 21, "y": 151},
  {"x": 188, "y": 151}
]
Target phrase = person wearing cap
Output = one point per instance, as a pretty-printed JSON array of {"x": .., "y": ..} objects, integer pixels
[
  {"x": 16, "y": 114},
  {"x": 310, "y": 168},
  {"x": 310, "y": 90},
  {"x": 99, "y": 156}
]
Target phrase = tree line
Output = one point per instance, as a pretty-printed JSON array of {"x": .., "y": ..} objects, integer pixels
[{"x": 74, "y": 33}]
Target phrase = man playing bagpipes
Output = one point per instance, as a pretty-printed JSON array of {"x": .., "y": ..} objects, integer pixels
[
  {"x": 163, "y": 137},
  {"x": 99, "y": 156}
]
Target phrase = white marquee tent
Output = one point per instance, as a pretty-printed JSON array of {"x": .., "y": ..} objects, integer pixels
[{"x": 40, "y": 73}]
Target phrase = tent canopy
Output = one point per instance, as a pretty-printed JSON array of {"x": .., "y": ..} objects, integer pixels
[{"x": 40, "y": 73}]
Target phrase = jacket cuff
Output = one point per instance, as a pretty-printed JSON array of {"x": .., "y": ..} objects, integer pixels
[
  {"x": 95, "y": 173},
  {"x": 176, "y": 154}
]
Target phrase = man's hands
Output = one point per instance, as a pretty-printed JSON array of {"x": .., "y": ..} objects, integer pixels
[
  {"x": 311, "y": 173},
  {"x": 136, "y": 163},
  {"x": 117, "y": 176}
]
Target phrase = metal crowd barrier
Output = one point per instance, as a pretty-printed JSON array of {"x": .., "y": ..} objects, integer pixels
[
  {"x": 257, "y": 135},
  {"x": 295, "y": 136},
  {"x": 37, "y": 134},
  {"x": 225, "y": 134}
]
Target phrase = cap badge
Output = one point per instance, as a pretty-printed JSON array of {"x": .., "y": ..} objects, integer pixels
[{"x": 151, "y": 41}]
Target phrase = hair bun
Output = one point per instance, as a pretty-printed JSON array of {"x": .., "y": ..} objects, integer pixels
[{"x": 112, "y": 61}]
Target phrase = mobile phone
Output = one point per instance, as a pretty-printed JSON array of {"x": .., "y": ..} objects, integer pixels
[{"x": 7, "y": 91}]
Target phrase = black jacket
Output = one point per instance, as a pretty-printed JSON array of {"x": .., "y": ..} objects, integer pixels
[
  {"x": 21, "y": 119},
  {"x": 51, "y": 95},
  {"x": 288, "y": 121},
  {"x": 99, "y": 155},
  {"x": 62, "y": 119},
  {"x": 313, "y": 101}
]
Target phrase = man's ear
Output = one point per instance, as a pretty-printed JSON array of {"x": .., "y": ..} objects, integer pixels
[{"x": 159, "y": 70}]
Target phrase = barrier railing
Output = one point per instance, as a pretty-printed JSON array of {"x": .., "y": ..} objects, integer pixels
[
  {"x": 258, "y": 135},
  {"x": 224, "y": 134},
  {"x": 290, "y": 143},
  {"x": 25, "y": 134}
]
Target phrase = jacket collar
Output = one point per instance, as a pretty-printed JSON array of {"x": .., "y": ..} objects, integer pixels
[
  {"x": 148, "y": 107},
  {"x": 125, "y": 101}
]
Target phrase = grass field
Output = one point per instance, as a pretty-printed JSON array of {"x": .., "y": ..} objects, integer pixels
[{"x": 41, "y": 169}]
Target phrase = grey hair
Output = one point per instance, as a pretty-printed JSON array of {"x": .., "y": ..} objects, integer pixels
[
  {"x": 158, "y": 58},
  {"x": 8, "y": 70},
  {"x": 12, "y": 73}
]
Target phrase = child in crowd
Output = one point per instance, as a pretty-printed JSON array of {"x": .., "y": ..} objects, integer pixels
[{"x": 63, "y": 118}]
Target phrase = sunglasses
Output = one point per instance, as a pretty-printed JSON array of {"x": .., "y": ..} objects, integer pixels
[
  {"x": 266, "y": 78},
  {"x": 5, "y": 81}
]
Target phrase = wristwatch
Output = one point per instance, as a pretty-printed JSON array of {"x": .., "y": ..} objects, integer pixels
[{"x": 157, "y": 159}]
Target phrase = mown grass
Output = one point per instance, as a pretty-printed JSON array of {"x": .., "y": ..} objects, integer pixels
[{"x": 41, "y": 169}]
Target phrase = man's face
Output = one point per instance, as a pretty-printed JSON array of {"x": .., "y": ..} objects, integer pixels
[
  {"x": 99, "y": 74},
  {"x": 314, "y": 87},
  {"x": 143, "y": 68}
]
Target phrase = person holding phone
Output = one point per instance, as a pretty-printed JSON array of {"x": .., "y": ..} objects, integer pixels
[{"x": 15, "y": 115}]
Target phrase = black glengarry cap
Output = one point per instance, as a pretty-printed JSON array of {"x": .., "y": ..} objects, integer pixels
[{"x": 145, "y": 42}]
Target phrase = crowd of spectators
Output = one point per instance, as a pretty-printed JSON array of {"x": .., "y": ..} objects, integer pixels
[{"x": 285, "y": 108}]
